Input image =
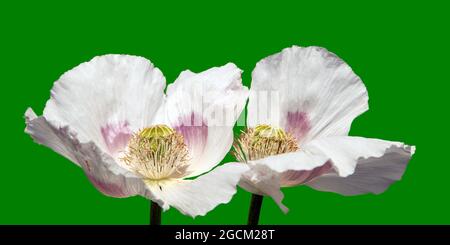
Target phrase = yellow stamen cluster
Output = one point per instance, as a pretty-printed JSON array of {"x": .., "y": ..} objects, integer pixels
[
  {"x": 263, "y": 141},
  {"x": 157, "y": 153}
]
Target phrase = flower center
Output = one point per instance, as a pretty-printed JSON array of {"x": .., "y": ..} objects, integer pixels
[
  {"x": 157, "y": 153},
  {"x": 263, "y": 141}
]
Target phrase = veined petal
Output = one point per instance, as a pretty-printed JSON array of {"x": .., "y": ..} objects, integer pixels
[
  {"x": 310, "y": 92},
  {"x": 43, "y": 133},
  {"x": 358, "y": 163},
  {"x": 368, "y": 165},
  {"x": 201, "y": 195},
  {"x": 105, "y": 99},
  {"x": 304, "y": 159},
  {"x": 204, "y": 107},
  {"x": 267, "y": 175},
  {"x": 108, "y": 177},
  {"x": 298, "y": 177},
  {"x": 346, "y": 152}
]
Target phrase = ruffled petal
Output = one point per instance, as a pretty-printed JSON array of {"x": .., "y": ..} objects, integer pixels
[
  {"x": 108, "y": 177},
  {"x": 105, "y": 99},
  {"x": 342, "y": 164},
  {"x": 201, "y": 195},
  {"x": 43, "y": 133},
  {"x": 310, "y": 92},
  {"x": 264, "y": 181},
  {"x": 297, "y": 177},
  {"x": 368, "y": 165},
  {"x": 267, "y": 175},
  {"x": 304, "y": 159},
  {"x": 204, "y": 107},
  {"x": 345, "y": 152}
]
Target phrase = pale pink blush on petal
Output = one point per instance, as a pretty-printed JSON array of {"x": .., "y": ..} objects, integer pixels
[
  {"x": 194, "y": 131},
  {"x": 116, "y": 136},
  {"x": 109, "y": 189},
  {"x": 292, "y": 178},
  {"x": 297, "y": 124}
]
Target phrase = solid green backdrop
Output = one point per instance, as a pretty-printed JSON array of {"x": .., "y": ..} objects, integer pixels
[{"x": 398, "y": 49}]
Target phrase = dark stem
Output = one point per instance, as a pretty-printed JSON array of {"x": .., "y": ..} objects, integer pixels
[
  {"x": 255, "y": 209},
  {"x": 155, "y": 214}
]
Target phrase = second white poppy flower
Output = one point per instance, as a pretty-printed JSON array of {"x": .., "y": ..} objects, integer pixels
[{"x": 301, "y": 105}]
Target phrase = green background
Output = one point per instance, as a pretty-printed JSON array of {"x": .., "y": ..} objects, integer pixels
[{"x": 399, "y": 50}]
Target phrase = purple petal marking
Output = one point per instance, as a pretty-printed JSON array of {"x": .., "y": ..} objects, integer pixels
[
  {"x": 109, "y": 189},
  {"x": 116, "y": 136},
  {"x": 195, "y": 132},
  {"x": 297, "y": 124},
  {"x": 291, "y": 177}
]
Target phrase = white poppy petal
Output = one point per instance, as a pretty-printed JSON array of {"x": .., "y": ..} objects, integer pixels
[
  {"x": 345, "y": 151},
  {"x": 269, "y": 174},
  {"x": 204, "y": 107},
  {"x": 310, "y": 92},
  {"x": 370, "y": 165},
  {"x": 304, "y": 159},
  {"x": 43, "y": 133},
  {"x": 108, "y": 177},
  {"x": 201, "y": 195},
  {"x": 262, "y": 180},
  {"x": 106, "y": 99},
  {"x": 298, "y": 177}
]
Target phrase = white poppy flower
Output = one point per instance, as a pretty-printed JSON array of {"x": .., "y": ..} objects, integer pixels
[
  {"x": 110, "y": 116},
  {"x": 301, "y": 105}
]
